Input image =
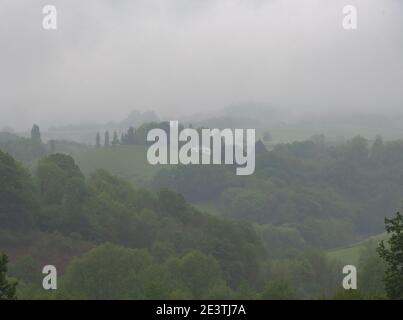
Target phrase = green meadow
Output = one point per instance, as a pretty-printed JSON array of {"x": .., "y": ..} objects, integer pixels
[
  {"x": 351, "y": 254},
  {"x": 127, "y": 161}
]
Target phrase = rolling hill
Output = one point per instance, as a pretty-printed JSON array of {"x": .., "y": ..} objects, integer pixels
[{"x": 351, "y": 254}]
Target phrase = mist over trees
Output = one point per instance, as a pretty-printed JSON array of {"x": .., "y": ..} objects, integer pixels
[
  {"x": 305, "y": 197},
  {"x": 78, "y": 192}
]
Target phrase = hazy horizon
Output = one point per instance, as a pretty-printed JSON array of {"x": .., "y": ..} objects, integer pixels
[{"x": 182, "y": 57}]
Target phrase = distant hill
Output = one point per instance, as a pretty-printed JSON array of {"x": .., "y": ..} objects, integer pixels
[
  {"x": 86, "y": 133},
  {"x": 228, "y": 122}
]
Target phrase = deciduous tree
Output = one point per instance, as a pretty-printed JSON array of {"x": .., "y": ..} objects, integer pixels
[
  {"x": 7, "y": 288},
  {"x": 392, "y": 253}
]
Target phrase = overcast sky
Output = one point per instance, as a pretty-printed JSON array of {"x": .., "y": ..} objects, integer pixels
[{"x": 188, "y": 56}]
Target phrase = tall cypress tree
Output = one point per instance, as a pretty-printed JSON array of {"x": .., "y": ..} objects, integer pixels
[
  {"x": 106, "y": 142},
  {"x": 36, "y": 133},
  {"x": 98, "y": 140},
  {"x": 115, "y": 140},
  {"x": 130, "y": 138}
]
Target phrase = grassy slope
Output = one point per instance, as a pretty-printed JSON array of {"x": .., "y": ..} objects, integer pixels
[
  {"x": 351, "y": 254},
  {"x": 129, "y": 162}
]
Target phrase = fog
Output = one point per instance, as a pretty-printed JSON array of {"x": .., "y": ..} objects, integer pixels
[{"x": 182, "y": 57}]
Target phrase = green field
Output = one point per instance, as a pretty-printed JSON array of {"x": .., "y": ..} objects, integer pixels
[
  {"x": 351, "y": 254},
  {"x": 129, "y": 162}
]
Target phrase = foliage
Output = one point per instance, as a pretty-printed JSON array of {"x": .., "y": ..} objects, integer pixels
[
  {"x": 392, "y": 253},
  {"x": 278, "y": 289},
  {"x": 156, "y": 245},
  {"x": 109, "y": 272},
  {"x": 371, "y": 271},
  {"x": 7, "y": 288},
  {"x": 18, "y": 201}
]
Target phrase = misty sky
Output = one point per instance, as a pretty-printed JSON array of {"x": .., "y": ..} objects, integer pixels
[{"x": 190, "y": 56}]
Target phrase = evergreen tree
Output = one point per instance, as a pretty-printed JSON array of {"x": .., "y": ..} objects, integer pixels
[
  {"x": 130, "y": 138},
  {"x": 378, "y": 143},
  {"x": 115, "y": 140},
  {"x": 392, "y": 253},
  {"x": 98, "y": 140},
  {"x": 7, "y": 288},
  {"x": 36, "y": 133},
  {"x": 377, "y": 148},
  {"x": 106, "y": 139}
]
